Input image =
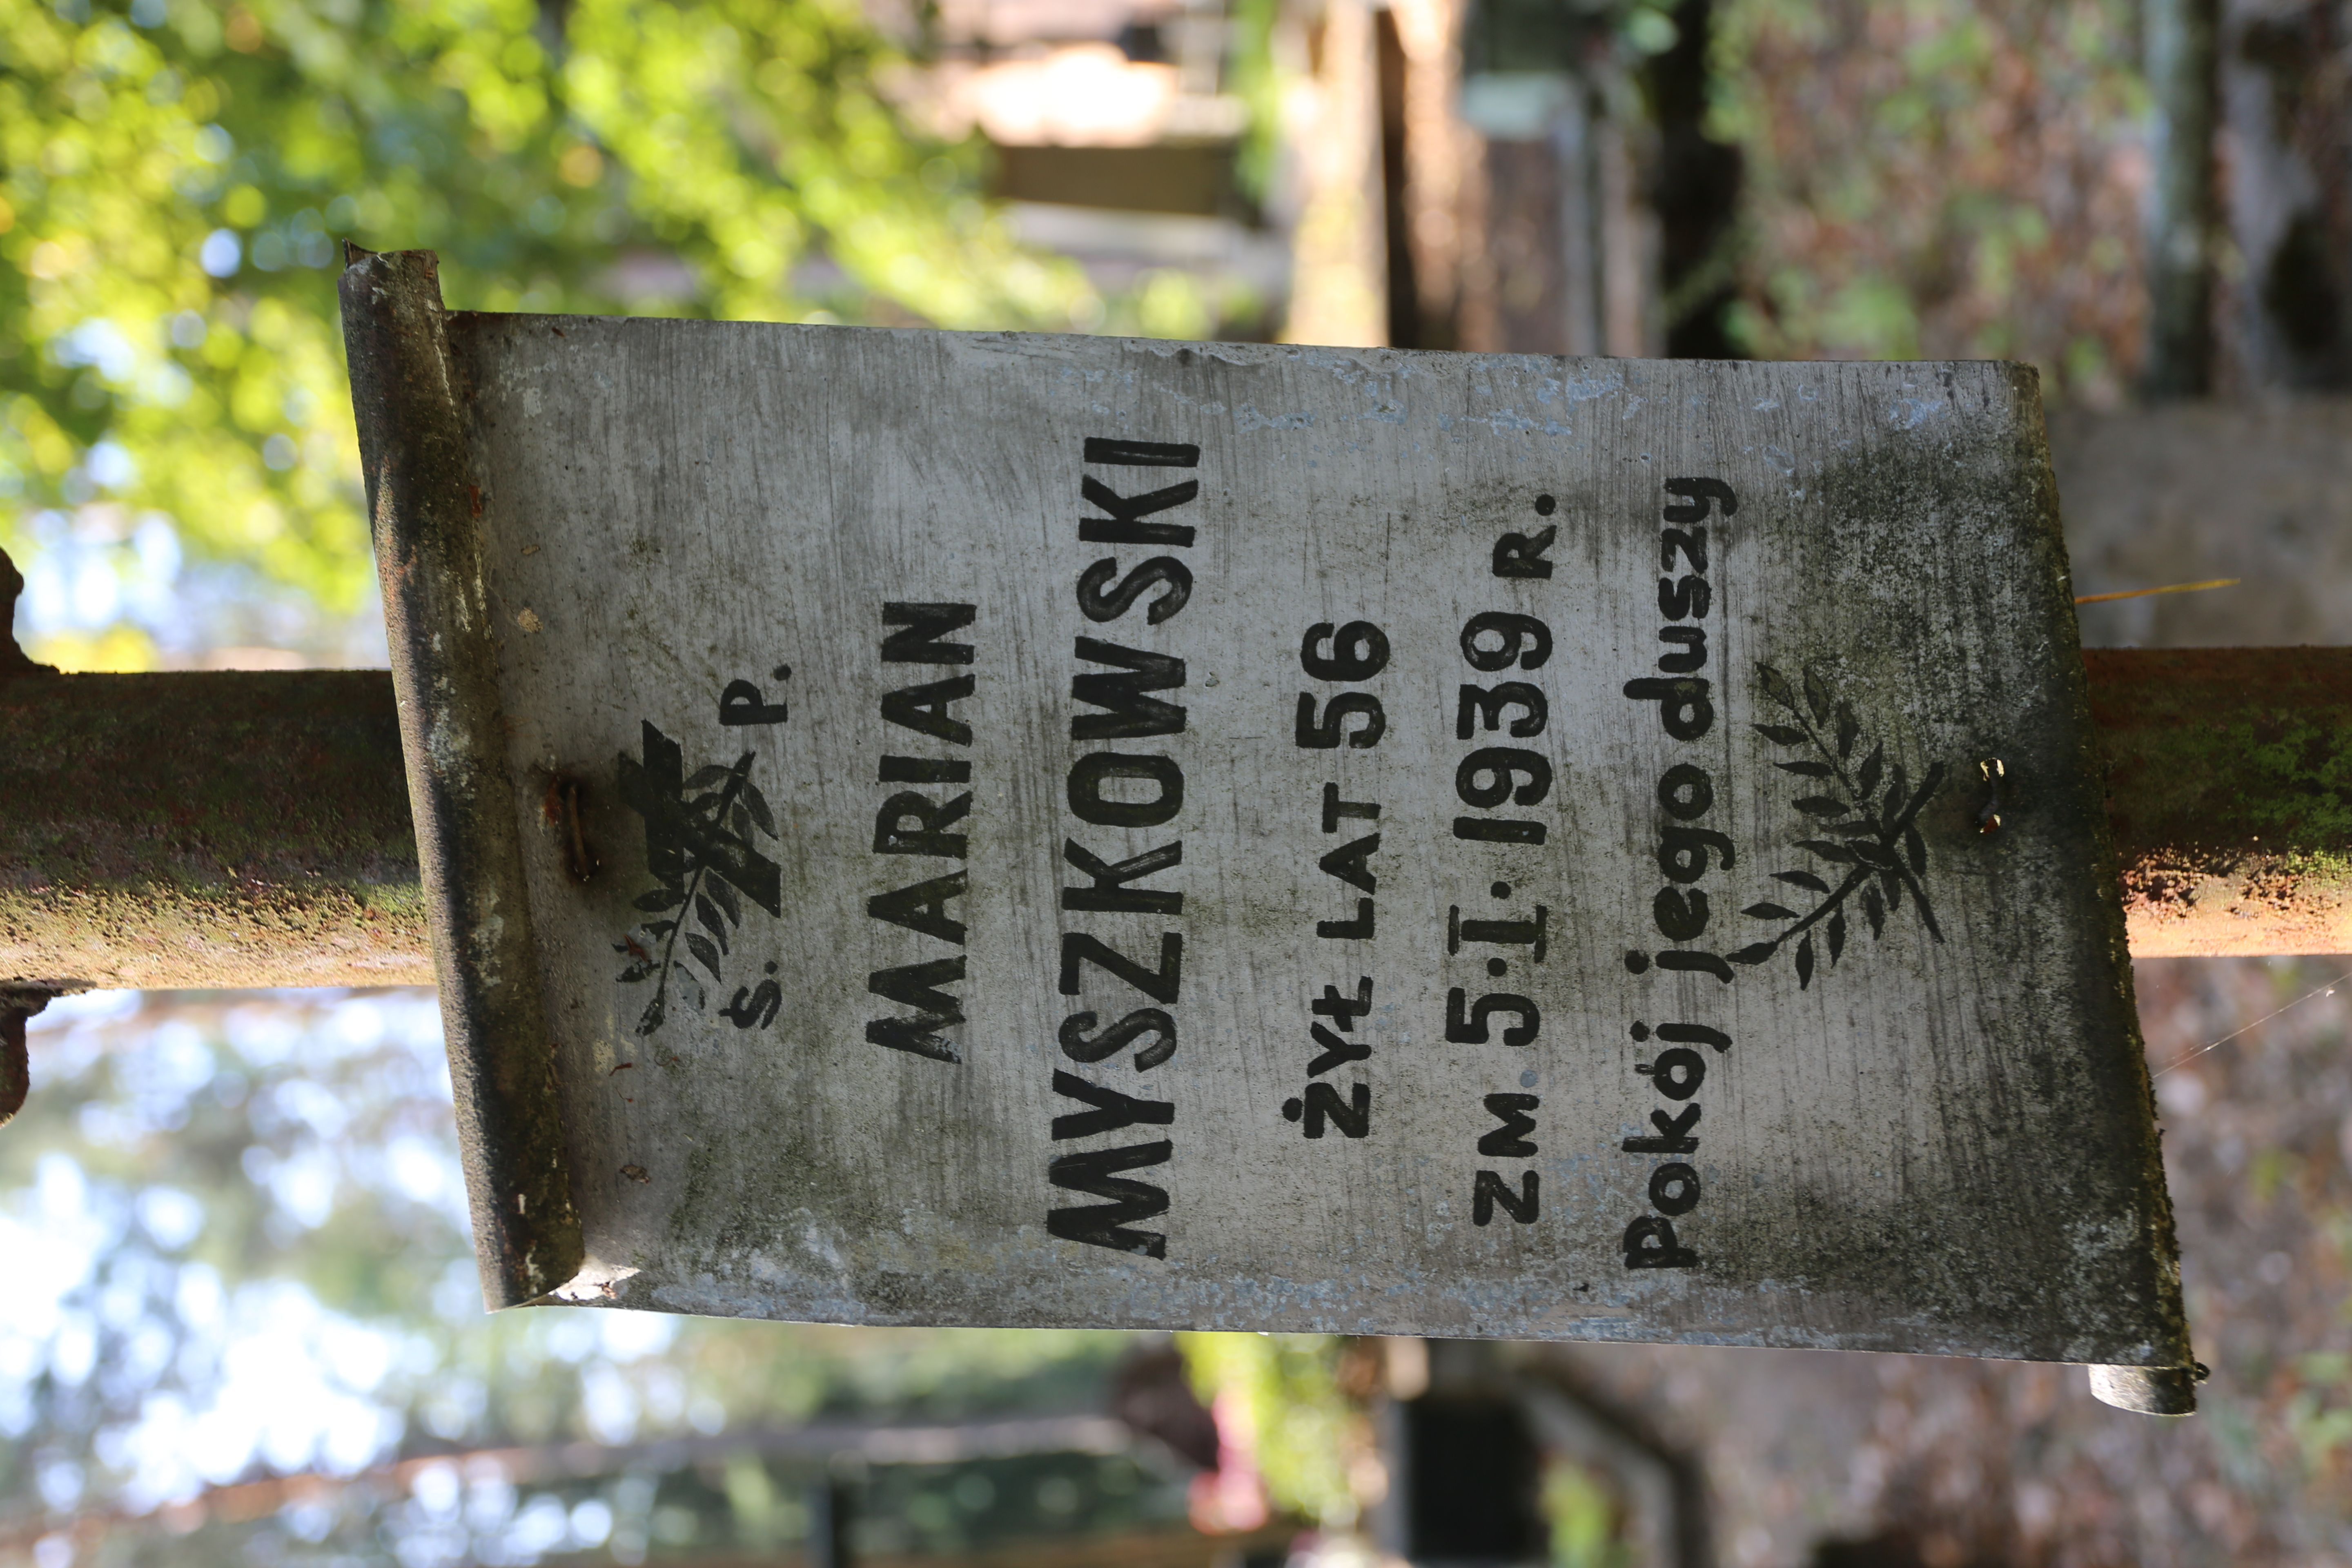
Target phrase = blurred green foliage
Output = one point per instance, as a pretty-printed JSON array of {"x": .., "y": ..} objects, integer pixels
[
  {"x": 1286, "y": 1391},
  {"x": 176, "y": 174},
  {"x": 238, "y": 1246},
  {"x": 1937, "y": 179}
]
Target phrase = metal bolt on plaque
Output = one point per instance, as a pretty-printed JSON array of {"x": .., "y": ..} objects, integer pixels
[{"x": 927, "y": 828}]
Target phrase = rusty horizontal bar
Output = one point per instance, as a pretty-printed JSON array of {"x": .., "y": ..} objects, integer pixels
[
  {"x": 2229, "y": 791},
  {"x": 238, "y": 828},
  {"x": 252, "y": 828}
]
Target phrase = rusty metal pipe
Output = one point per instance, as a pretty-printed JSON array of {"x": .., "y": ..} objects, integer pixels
[
  {"x": 233, "y": 829},
  {"x": 2230, "y": 790},
  {"x": 252, "y": 828}
]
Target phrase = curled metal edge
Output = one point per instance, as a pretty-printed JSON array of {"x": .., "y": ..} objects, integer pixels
[
  {"x": 423, "y": 511},
  {"x": 2147, "y": 1390}
]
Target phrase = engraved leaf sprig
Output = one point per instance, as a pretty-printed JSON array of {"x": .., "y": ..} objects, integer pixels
[
  {"x": 1862, "y": 815},
  {"x": 701, "y": 910}
]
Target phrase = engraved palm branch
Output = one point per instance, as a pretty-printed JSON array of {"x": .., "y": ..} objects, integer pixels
[{"x": 1869, "y": 831}]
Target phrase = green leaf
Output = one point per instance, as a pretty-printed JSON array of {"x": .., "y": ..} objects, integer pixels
[
  {"x": 718, "y": 889},
  {"x": 1755, "y": 953},
  {"x": 1776, "y": 687},
  {"x": 1785, "y": 734},
  {"x": 1807, "y": 769},
  {"x": 1822, "y": 806},
  {"x": 1804, "y": 880},
  {"x": 1836, "y": 853},
  {"x": 1847, "y": 730},
  {"x": 660, "y": 898},
  {"x": 1835, "y": 928},
  {"x": 1769, "y": 912},
  {"x": 1805, "y": 962},
  {"x": 702, "y": 950},
  {"x": 705, "y": 777}
]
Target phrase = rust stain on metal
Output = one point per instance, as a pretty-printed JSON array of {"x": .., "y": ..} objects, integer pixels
[
  {"x": 2229, "y": 791},
  {"x": 423, "y": 506},
  {"x": 17, "y": 1004},
  {"x": 560, "y": 809},
  {"x": 12, "y": 658}
]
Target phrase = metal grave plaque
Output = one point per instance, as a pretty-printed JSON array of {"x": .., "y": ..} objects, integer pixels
[{"x": 985, "y": 829}]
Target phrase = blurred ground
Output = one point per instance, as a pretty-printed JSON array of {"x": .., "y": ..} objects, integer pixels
[{"x": 1858, "y": 1461}]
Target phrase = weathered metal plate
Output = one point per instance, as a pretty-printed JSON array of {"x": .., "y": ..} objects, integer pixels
[{"x": 1095, "y": 832}]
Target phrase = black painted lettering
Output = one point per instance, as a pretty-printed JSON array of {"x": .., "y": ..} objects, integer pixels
[
  {"x": 1491, "y": 773},
  {"x": 1096, "y": 604},
  {"x": 1352, "y": 864},
  {"x": 924, "y": 770},
  {"x": 1493, "y": 830},
  {"x": 1110, "y": 891},
  {"x": 1334, "y": 808},
  {"x": 1357, "y": 651},
  {"x": 1160, "y": 985},
  {"x": 1125, "y": 525},
  {"x": 915, "y": 985},
  {"x": 1680, "y": 916},
  {"x": 924, "y": 709},
  {"x": 921, "y": 907},
  {"x": 1478, "y": 702},
  {"x": 1510, "y": 1141},
  {"x": 1650, "y": 1244},
  {"x": 1674, "y": 1135},
  {"x": 1335, "y": 1052},
  {"x": 1131, "y": 713},
  {"x": 742, "y": 703},
  {"x": 1674, "y": 1189},
  {"x": 1092, "y": 1172},
  {"x": 1491, "y": 1193},
  {"x": 925, "y": 624},
  {"x": 1520, "y": 638},
  {"x": 1677, "y": 1073},
  {"x": 1466, "y": 1021},
  {"x": 1686, "y": 792},
  {"x": 1683, "y": 706},
  {"x": 1692, "y": 543},
  {"x": 1692, "y": 640},
  {"x": 1321, "y": 1104},
  {"x": 1079, "y": 1047},
  {"x": 1357, "y": 929},
  {"x": 1683, "y": 851},
  {"x": 1342, "y": 1008},
  {"x": 1324, "y": 734},
  {"x": 1698, "y": 494},
  {"x": 1090, "y": 773},
  {"x": 1696, "y": 963},
  {"x": 1112, "y": 1112},
  {"x": 1522, "y": 555},
  {"x": 1695, "y": 1034},
  {"x": 1117, "y": 451},
  {"x": 893, "y": 837},
  {"x": 1683, "y": 598}
]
